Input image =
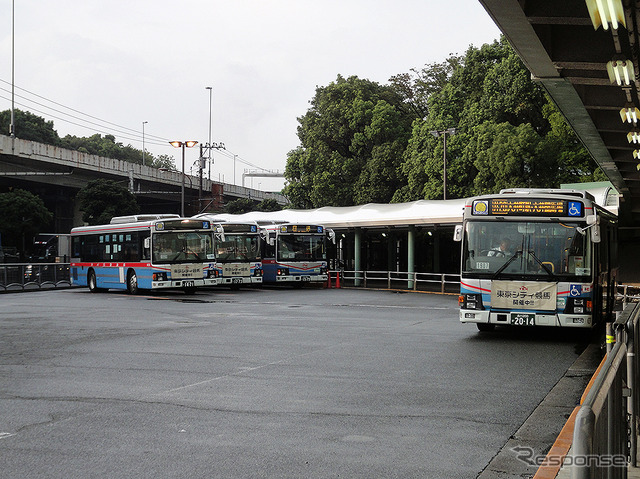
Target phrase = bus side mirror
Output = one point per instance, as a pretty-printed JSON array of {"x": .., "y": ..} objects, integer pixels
[
  {"x": 594, "y": 225},
  {"x": 457, "y": 233},
  {"x": 332, "y": 235},
  {"x": 147, "y": 243}
]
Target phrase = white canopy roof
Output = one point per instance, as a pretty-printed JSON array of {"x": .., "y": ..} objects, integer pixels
[{"x": 419, "y": 212}]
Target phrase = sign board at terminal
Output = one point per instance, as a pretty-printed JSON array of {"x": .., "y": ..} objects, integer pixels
[{"x": 527, "y": 207}]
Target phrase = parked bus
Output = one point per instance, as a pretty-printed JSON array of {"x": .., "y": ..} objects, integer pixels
[
  {"x": 294, "y": 253},
  {"x": 237, "y": 254},
  {"x": 136, "y": 252},
  {"x": 537, "y": 258}
]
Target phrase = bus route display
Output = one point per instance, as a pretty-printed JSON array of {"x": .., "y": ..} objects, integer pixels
[
  {"x": 301, "y": 229},
  {"x": 527, "y": 207}
]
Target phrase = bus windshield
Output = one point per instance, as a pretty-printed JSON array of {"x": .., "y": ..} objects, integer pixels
[
  {"x": 237, "y": 247},
  {"x": 525, "y": 249},
  {"x": 301, "y": 247},
  {"x": 182, "y": 247}
]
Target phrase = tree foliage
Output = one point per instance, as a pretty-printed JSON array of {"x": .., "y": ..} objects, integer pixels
[
  {"x": 509, "y": 133},
  {"x": 23, "y": 216},
  {"x": 352, "y": 141},
  {"x": 101, "y": 200},
  {"x": 239, "y": 206},
  {"x": 364, "y": 142},
  {"x": 28, "y": 126},
  {"x": 34, "y": 128}
]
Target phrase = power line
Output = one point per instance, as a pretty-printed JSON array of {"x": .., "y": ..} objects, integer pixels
[
  {"x": 105, "y": 132},
  {"x": 132, "y": 130},
  {"x": 103, "y": 126}
]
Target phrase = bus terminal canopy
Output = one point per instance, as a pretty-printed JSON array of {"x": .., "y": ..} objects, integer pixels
[
  {"x": 421, "y": 212},
  {"x": 380, "y": 215}
]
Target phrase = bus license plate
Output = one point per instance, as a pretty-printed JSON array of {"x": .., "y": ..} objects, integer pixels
[
  {"x": 188, "y": 284},
  {"x": 523, "y": 319},
  {"x": 236, "y": 280},
  {"x": 305, "y": 278}
]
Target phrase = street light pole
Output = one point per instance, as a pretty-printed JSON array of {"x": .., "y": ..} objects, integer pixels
[
  {"x": 183, "y": 145},
  {"x": 443, "y": 134},
  {"x": 12, "y": 125},
  {"x": 143, "y": 123},
  {"x": 209, "y": 144}
]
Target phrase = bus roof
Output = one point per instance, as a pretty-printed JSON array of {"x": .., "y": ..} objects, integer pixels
[
  {"x": 116, "y": 220},
  {"x": 546, "y": 191}
]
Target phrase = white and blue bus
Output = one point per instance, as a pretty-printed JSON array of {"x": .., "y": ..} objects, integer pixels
[
  {"x": 295, "y": 253},
  {"x": 533, "y": 257},
  {"x": 237, "y": 253},
  {"x": 145, "y": 252}
]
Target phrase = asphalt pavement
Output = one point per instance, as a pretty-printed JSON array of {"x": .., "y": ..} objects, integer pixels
[{"x": 264, "y": 383}]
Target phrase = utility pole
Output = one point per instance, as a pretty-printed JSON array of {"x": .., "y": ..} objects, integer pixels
[{"x": 205, "y": 152}]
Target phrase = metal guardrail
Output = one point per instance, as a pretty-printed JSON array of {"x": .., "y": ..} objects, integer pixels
[
  {"x": 398, "y": 279},
  {"x": 32, "y": 276},
  {"x": 606, "y": 426}
]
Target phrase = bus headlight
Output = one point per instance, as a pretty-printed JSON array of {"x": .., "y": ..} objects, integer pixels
[
  {"x": 283, "y": 272},
  {"x": 579, "y": 306},
  {"x": 159, "y": 276},
  {"x": 470, "y": 301},
  {"x": 257, "y": 272}
]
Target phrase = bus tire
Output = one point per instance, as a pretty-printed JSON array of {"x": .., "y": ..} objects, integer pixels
[
  {"x": 485, "y": 327},
  {"x": 92, "y": 282},
  {"x": 132, "y": 282}
]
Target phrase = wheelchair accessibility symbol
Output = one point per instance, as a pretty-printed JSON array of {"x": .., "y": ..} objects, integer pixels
[
  {"x": 575, "y": 208},
  {"x": 575, "y": 290}
]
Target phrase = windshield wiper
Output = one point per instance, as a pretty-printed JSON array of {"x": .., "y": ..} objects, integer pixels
[
  {"x": 507, "y": 263},
  {"x": 544, "y": 266}
]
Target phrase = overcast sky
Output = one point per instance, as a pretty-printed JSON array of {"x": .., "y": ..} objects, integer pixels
[{"x": 125, "y": 62}]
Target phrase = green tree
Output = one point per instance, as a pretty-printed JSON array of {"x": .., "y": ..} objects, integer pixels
[
  {"x": 509, "y": 133},
  {"x": 416, "y": 87},
  {"x": 23, "y": 216},
  {"x": 161, "y": 161},
  {"x": 268, "y": 205},
  {"x": 239, "y": 206},
  {"x": 29, "y": 127},
  {"x": 101, "y": 200},
  {"x": 352, "y": 139}
]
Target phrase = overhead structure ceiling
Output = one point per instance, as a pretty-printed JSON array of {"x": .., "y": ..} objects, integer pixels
[{"x": 568, "y": 55}]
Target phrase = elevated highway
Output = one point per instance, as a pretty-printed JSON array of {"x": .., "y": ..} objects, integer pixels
[{"x": 56, "y": 174}]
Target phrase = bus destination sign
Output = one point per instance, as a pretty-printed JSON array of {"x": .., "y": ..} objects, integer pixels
[
  {"x": 301, "y": 229},
  {"x": 527, "y": 207}
]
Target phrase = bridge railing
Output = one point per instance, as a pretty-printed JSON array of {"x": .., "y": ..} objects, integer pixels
[{"x": 23, "y": 276}]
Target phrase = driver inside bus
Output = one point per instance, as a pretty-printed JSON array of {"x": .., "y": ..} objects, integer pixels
[{"x": 502, "y": 249}]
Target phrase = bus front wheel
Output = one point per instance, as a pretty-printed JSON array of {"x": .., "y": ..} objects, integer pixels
[{"x": 132, "y": 282}]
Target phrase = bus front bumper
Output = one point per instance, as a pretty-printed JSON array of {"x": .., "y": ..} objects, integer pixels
[
  {"x": 525, "y": 318},
  {"x": 241, "y": 280},
  {"x": 184, "y": 283}
]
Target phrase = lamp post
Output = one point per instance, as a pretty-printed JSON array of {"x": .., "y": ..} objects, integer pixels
[
  {"x": 183, "y": 145},
  {"x": 12, "y": 125},
  {"x": 143, "y": 123},
  {"x": 443, "y": 134},
  {"x": 209, "y": 144}
]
